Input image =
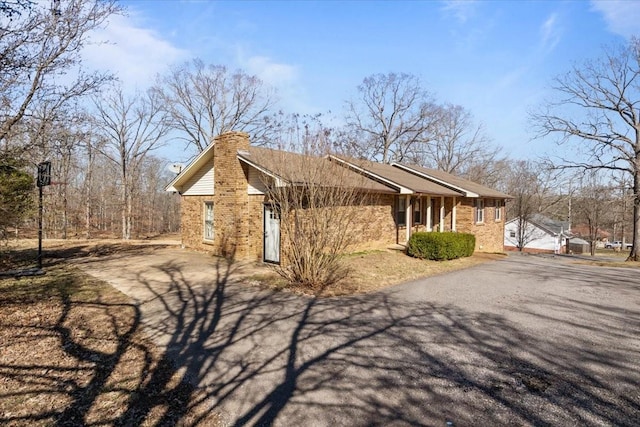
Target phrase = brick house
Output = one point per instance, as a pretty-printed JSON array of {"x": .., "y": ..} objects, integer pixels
[{"x": 225, "y": 209}]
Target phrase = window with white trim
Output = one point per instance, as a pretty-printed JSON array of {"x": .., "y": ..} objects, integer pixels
[
  {"x": 208, "y": 221},
  {"x": 401, "y": 211},
  {"x": 498, "y": 214},
  {"x": 479, "y": 211}
]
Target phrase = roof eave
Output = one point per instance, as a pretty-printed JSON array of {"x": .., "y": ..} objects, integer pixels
[
  {"x": 385, "y": 181},
  {"x": 465, "y": 192},
  {"x": 243, "y": 157},
  {"x": 186, "y": 173}
]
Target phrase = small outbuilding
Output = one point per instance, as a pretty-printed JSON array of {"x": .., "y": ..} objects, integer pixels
[
  {"x": 577, "y": 245},
  {"x": 538, "y": 234}
]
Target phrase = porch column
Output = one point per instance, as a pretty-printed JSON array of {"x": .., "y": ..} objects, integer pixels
[
  {"x": 427, "y": 221},
  {"x": 441, "y": 225},
  {"x": 407, "y": 220},
  {"x": 453, "y": 214}
]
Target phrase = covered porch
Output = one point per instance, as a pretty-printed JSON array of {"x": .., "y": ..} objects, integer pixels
[{"x": 424, "y": 212}]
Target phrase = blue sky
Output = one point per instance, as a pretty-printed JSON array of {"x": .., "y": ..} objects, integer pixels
[{"x": 495, "y": 58}]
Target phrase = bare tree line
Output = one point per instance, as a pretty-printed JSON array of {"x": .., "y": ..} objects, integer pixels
[
  {"x": 596, "y": 111},
  {"x": 90, "y": 193},
  {"x": 102, "y": 142}
]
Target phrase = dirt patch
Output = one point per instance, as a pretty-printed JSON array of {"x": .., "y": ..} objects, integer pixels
[{"x": 73, "y": 353}]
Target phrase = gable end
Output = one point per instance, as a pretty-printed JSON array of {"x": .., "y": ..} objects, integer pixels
[{"x": 201, "y": 183}]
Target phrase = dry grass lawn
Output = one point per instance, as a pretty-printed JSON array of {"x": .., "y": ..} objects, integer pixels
[
  {"x": 377, "y": 269},
  {"x": 73, "y": 353}
]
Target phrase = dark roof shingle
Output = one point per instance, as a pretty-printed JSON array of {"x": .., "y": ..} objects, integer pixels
[
  {"x": 455, "y": 181},
  {"x": 400, "y": 177},
  {"x": 299, "y": 168}
]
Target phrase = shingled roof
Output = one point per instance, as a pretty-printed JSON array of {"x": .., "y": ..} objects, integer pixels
[
  {"x": 296, "y": 168},
  {"x": 468, "y": 188},
  {"x": 405, "y": 181}
]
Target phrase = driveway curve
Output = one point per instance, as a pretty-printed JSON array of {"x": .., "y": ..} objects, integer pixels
[{"x": 528, "y": 340}]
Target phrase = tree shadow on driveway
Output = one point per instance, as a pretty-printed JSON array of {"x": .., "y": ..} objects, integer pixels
[
  {"x": 273, "y": 358},
  {"x": 261, "y": 357}
]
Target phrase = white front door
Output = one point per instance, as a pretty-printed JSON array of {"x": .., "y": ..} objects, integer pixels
[{"x": 271, "y": 234}]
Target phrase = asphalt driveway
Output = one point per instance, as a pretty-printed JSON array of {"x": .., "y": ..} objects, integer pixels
[{"x": 525, "y": 341}]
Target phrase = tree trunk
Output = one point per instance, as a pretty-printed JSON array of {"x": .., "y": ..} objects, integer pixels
[
  {"x": 129, "y": 214},
  {"x": 124, "y": 212},
  {"x": 633, "y": 255},
  {"x": 87, "y": 192},
  {"x": 65, "y": 211}
]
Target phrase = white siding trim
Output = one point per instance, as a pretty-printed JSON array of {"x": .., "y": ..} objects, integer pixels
[
  {"x": 408, "y": 216},
  {"x": 453, "y": 215},
  {"x": 201, "y": 183},
  {"x": 441, "y": 224},
  {"x": 255, "y": 184},
  {"x": 428, "y": 214}
]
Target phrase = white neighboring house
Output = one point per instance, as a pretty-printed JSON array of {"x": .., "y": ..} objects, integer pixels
[{"x": 542, "y": 235}]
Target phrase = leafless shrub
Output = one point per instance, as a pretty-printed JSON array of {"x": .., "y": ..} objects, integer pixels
[{"x": 320, "y": 205}]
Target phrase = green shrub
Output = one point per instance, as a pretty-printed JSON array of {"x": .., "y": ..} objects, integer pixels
[
  {"x": 441, "y": 246},
  {"x": 16, "y": 197}
]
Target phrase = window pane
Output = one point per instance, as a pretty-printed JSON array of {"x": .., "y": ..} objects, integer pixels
[
  {"x": 208, "y": 220},
  {"x": 401, "y": 212},
  {"x": 417, "y": 211},
  {"x": 479, "y": 210}
]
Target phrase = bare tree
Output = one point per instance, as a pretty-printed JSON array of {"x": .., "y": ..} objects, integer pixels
[
  {"x": 39, "y": 46},
  {"x": 207, "y": 100},
  {"x": 41, "y": 77},
  {"x": 306, "y": 134},
  {"x": 318, "y": 203},
  {"x": 623, "y": 202},
  {"x": 56, "y": 134},
  {"x": 458, "y": 145},
  {"x": 12, "y": 8},
  {"x": 490, "y": 172},
  {"x": 599, "y": 110},
  {"x": 531, "y": 186},
  {"x": 154, "y": 205},
  {"x": 391, "y": 115},
  {"x": 592, "y": 205},
  {"x": 523, "y": 206},
  {"x": 132, "y": 127}
]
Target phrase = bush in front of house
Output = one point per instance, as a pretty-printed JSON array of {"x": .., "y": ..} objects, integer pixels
[{"x": 441, "y": 246}]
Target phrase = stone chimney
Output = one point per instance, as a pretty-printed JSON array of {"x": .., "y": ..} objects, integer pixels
[{"x": 230, "y": 200}]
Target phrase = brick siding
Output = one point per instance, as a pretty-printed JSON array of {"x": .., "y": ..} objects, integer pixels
[
  {"x": 489, "y": 234},
  {"x": 192, "y": 222},
  {"x": 238, "y": 215}
]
